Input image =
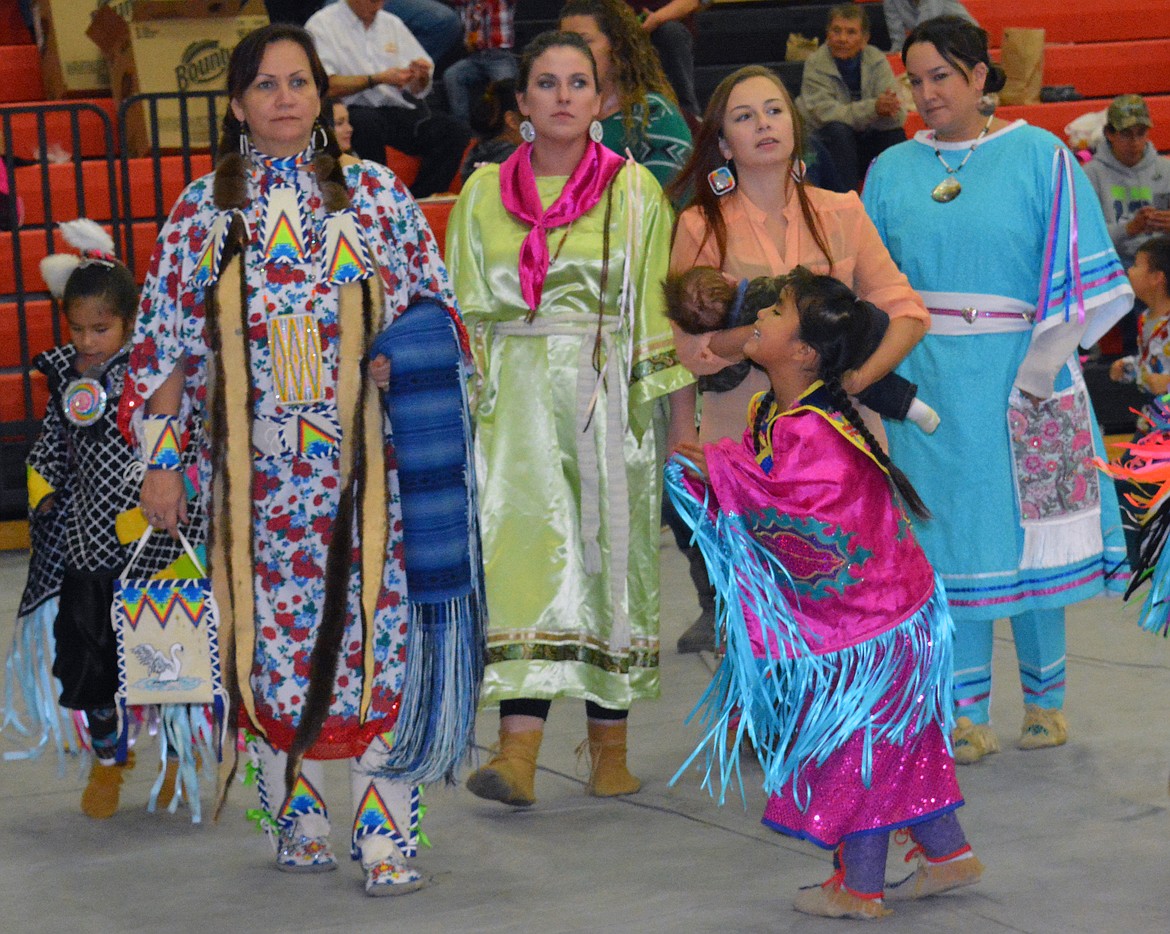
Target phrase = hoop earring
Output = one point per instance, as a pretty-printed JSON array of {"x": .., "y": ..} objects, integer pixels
[
  {"x": 596, "y": 131},
  {"x": 722, "y": 179},
  {"x": 318, "y": 127},
  {"x": 245, "y": 141},
  {"x": 527, "y": 131}
]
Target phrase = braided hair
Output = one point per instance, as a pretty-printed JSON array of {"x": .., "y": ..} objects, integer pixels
[{"x": 836, "y": 324}]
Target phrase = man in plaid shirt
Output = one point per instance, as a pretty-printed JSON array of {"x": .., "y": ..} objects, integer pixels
[{"x": 488, "y": 34}]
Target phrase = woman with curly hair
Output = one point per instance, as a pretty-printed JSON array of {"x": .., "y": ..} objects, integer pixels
[{"x": 639, "y": 110}]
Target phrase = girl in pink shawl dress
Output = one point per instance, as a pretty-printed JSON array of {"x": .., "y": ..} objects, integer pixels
[{"x": 838, "y": 664}]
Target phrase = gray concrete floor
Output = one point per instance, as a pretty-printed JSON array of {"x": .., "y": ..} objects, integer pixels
[{"x": 1075, "y": 839}]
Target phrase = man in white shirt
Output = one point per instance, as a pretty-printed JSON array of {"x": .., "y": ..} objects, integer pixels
[{"x": 373, "y": 63}]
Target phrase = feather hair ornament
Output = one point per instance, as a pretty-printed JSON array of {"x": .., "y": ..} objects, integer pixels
[{"x": 93, "y": 243}]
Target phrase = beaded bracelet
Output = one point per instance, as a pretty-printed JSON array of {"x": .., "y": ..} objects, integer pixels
[{"x": 163, "y": 450}]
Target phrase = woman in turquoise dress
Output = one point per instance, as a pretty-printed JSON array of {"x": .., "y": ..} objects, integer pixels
[
  {"x": 998, "y": 229},
  {"x": 638, "y": 107},
  {"x": 558, "y": 256}
]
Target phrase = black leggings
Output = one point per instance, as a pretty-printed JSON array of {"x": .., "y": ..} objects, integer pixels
[{"x": 530, "y": 707}]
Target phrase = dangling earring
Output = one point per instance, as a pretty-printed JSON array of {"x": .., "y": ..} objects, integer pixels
[
  {"x": 722, "y": 179},
  {"x": 798, "y": 169},
  {"x": 318, "y": 127},
  {"x": 245, "y": 141},
  {"x": 527, "y": 131},
  {"x": 596, "y": 131}
]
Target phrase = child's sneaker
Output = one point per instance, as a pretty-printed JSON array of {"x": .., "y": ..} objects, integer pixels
[
  {"x": 1042, "y": 728},
  {"x": 100, "y": 798}
]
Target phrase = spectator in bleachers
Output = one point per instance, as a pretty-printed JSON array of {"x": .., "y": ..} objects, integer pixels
[
  {"x": 495, "y": 119},
  {"x": 638, "y": 111},
  {"x": 435, "y": 25},
  {"x": 489, "y": 35},
  {"x": 342, "y": 128},
  {"x": 670, "y": 25},
  {"x": 1131, "y": 179},
  {"x": 904, "y": 15},
  {"x": 381, "y": 72},
  {"x": 849, "y": 95},
  {"x": 1133, "y": 185}
]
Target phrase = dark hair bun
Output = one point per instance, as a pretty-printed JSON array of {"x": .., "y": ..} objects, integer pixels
[{"x": 996, "y": 79}]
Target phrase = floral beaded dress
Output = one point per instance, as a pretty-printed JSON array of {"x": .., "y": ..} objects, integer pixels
[
  {"x": 292, "y": 342},
  {"x": 570, "y": 503}
]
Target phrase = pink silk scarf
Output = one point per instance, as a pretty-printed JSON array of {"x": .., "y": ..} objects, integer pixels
[{"x": 521, "y": 199}]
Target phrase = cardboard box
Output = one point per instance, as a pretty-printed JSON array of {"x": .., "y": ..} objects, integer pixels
[
  {"x": 71, "y": 64},
  {"x": 168, "y": 46}
]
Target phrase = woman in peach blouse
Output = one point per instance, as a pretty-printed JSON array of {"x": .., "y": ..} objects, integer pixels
[{"x": 765, "y": 222}]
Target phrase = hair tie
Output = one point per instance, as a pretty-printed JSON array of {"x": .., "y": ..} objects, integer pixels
[
  {"x": 736, "y": 310},
  {"x": 94, "y": 246}
]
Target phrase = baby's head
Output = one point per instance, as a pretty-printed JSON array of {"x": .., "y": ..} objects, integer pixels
[{"x": 702, "y": 299}]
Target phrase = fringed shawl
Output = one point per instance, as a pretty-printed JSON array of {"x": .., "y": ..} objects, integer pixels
[
  {"x": 825, "y": 602},
  {"x": 1146, "y": 467}
]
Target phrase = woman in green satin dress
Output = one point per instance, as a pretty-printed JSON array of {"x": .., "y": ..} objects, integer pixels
[{"x": 557, "y": 257}]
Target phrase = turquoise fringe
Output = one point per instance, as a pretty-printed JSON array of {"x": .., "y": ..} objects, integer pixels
[
  {"x": 1155, "y": 613},
  {"x": 436, "y": 720},
  {"x": 799, "y": 708},
  {"x": 190, "y": 730},
  {"x": 29, "y": 670}
]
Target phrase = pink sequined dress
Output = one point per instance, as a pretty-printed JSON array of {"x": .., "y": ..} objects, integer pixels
[{"x": 838, "y": 639}]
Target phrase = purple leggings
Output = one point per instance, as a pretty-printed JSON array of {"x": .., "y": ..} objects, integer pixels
[{"x": 864, "y": 854}]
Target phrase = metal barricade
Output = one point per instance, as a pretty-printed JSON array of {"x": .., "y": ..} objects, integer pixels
[
  {"x": 102, "y": 178},
  {"x": 32, "y": 136},
  {"x": 192, "y": 128}
]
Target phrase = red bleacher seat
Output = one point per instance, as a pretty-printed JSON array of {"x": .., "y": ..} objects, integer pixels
[
  {"x": 1106, "y": 69},
  {"x": 402, "y": 165},
  {"x": 12, "y": 396},
  {"x": 95, "y": 179},
  {"x": 58, "y": 130},
  {"x": 1075, "y": 20},
  {"x": 437, "y": 211},
  {"x": 20, "y": 74},
  {"x": 39, "y": 315},
  {"x": 1055, "y": 117}
]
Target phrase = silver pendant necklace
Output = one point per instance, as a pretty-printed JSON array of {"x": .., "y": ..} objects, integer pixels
[{"x": 949, "y": 188}]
